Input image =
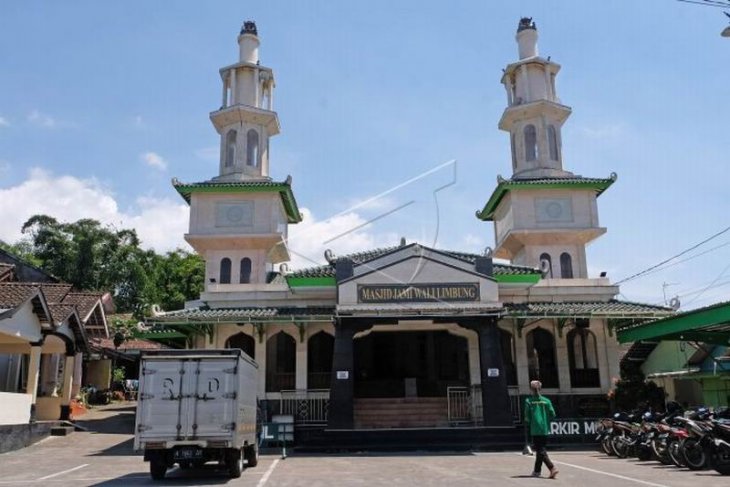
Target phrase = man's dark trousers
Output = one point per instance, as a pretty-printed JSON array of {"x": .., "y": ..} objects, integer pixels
[{"x": 541, "y": 456}]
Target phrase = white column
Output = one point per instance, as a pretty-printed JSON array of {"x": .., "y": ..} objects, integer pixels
[
  {"x": 271, "y": 95},
  {"x": 224, "y": 102},
  {"x": 475, "y": 373},
  {"x": 301, "y": 362},
  {"x": 78, "y": 362},
  {"x": 508, "y": 89},
  {"x": 525, "y": 83},
  {"x": 34, "y": 366},
  {"x": 548, "y": 85},
  {"x": 257, "y": 88},
  {"x": 260, "y": 352},
  {"x": 523, "y": 371},
  {"x": 68, "y": 377},
  {"x": 561, "y": 351},
  {"x": 233, "y": 97}
]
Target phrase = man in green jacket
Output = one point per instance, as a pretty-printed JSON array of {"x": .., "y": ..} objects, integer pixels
[{"x": 538, "y": 413}]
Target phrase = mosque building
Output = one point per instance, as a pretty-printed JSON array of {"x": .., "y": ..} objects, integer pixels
[{"x": 407, "y": 336}]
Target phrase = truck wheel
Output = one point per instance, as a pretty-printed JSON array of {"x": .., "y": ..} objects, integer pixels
[
  {"x": 158, "y": 469},
  {"x": 252, "y": 456},
  {"x": 234, "y": 462}
]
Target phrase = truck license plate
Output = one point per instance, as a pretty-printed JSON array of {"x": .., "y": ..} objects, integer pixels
[{"x": 188, "y": 453}]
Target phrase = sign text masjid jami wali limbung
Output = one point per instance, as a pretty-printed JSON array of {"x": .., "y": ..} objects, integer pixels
[{"x": 417, "y": 293}]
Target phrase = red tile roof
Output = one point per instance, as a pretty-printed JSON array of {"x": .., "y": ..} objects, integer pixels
[{"x": 13, "y": 294}]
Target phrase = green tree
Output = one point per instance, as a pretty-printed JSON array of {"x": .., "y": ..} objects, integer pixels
[
  {"x": 633, "y": 390},
  {"x": 92, "y": 256}
]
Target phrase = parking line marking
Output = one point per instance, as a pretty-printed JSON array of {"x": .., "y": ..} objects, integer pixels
[
  {"x": 63, "y": 472},
  {"x": 266, "y": 476},
  {"x": 611, "y": 474}
]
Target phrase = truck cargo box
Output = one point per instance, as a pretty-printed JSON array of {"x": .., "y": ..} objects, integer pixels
[{"x": 196, "y": 406}]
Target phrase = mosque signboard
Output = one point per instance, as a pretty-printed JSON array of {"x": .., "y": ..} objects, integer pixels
[{"x": 418, "y": 293}]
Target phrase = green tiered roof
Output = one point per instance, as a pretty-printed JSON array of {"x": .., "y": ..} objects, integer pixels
[
  {"x": 324, "y": 275},
  {"x": 599, "y": 185},
  {"x": 261, "y": 186}
]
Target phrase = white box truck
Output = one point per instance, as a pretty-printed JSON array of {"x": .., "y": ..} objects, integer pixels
[{"x": 196, "y": 406}]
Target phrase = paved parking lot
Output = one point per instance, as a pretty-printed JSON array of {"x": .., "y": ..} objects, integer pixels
[{"x": 104, "y": 457}]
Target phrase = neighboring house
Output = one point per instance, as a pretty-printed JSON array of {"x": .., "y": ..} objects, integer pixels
[
  {"x": 410, "y": 335},
  {"x": 688, "y": 354},
  {"x": 45, "y": 329}
]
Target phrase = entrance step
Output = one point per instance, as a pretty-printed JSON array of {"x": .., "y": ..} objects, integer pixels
[
  {"x": 62, "y": 430},
  {"x": 372, "y": 413}
]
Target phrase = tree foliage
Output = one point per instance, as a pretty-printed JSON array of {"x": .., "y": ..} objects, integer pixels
[
  {"x": 634, "y": 391},
  {"x": 92, "y": 256}
]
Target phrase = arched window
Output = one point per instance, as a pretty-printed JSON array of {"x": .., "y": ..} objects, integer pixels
[
  {"x": 545, "y": 257},
  {"x": 566, "y": 266},
  {"x": 530, "y": 143},
  {"x": 244, "y": 342},
  {"x": 252, "y": 148},
  {"x": 230, "y": 148},
  {"x": 245, "y": 271},
  {"x": 281, "y": 350},
  {"x": 583, "y": 358},
  {"x": 553, "y": 143},
  {"x": 320, "y": 350},
  {"x": 541, "y": 361},
  {"x": 508, "y": 356},
  {"x": 225, "y": 277}
]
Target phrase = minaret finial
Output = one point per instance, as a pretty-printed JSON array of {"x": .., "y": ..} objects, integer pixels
[
  {"x": 526, "y": 23},
  {"x": 249, "y": 27}
]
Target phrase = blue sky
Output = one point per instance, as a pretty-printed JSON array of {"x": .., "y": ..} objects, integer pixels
[{"x": 102, "y": 103}]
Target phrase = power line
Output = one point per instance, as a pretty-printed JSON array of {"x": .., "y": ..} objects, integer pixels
[
  {"x": 711, "y": 284},
  {"x": 651, "y": 268},
  {"x": 687, "y": 259},
  {"x": 708, "y": 3}
]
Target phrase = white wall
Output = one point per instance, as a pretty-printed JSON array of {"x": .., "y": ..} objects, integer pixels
[{"x": 15, "y": 408}]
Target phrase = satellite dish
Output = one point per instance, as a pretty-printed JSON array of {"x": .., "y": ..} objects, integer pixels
[
  {"x": 674, "y": 303},
  {"x": 284, "y": 268},
  {"x": 329, "y": 256},
  {"x": 544, "y": 267}
]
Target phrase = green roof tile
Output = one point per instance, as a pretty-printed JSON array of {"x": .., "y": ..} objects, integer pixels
[
  {"x": 283, "y": 188},
  {"x": 586, "y": 309},
  {"x": 504, "y": 186},
  {"x": 328, "y": 270}
]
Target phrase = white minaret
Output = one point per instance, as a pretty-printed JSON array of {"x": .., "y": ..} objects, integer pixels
[
  {"x": 534, "y": 115},
  {"x": 544, "y": 216},
  {"x": 239, "y": 219},
  {"x": 246, "y": 118}
]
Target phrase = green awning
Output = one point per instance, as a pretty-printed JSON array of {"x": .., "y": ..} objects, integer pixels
[{"x": 707, "y": 325}]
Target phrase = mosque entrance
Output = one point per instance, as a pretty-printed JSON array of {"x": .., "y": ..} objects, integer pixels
[
  {"x": 410, "y": 364},
  {"x": 401, "y": 378}
]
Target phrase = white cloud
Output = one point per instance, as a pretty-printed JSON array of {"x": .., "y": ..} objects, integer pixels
[
  {"x": 343, "y": 234},
  {"x": 160, "y": 223},
  {"x": 4, "y": 122},
  {"x": 155, "y": 160},
  {"x": 40, "y": 119}
]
